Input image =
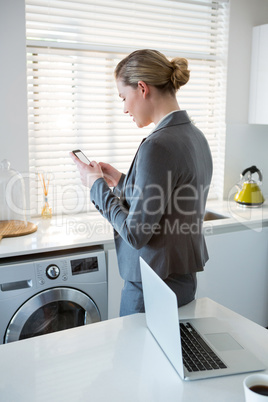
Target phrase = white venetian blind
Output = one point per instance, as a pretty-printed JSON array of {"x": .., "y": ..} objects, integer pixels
[{"x": 72, "y": 50}]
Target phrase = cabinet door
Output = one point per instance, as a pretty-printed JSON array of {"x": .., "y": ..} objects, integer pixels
[
  {"x": 115, "y": 285},
  {"x": 236, "y": 274},
  {"x": 258, "y": 96}
]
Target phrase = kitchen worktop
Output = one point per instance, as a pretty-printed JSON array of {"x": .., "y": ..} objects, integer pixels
[
  {"x": 117, "y": 360},
  {"x": 82, "y": 230}
]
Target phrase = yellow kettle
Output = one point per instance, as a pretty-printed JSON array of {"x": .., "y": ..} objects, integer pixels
[{"x": 249, "y": 194}]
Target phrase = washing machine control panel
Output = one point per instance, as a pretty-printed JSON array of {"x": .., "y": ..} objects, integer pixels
[
  {"x": 72, "y": 269},
  {"x": 52, "y": 271}
]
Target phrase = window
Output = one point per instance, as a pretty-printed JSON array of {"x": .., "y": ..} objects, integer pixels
[{"x": 72, "y": 50}]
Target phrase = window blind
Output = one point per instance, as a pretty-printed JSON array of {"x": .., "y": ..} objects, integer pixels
[{"x": 72, "y": 50}]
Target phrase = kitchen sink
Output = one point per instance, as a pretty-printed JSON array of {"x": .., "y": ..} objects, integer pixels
[{"x": 212, "y": 216}]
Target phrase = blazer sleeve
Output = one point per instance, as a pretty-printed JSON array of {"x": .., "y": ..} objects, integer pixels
[
  {"x": 147, "y": 192},
  {"x": 118, "y": 188}
]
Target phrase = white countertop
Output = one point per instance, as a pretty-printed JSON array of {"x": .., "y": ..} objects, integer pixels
[
  {"x": 117, "y": 360},
  {"x": 81, "y": 230},
  {"x": 60, "y": 233},
  {"x": 237, "y": 217}
]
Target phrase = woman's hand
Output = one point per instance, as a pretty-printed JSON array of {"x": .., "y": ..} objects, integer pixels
[
  {"x": 111, "y": 175},
  {"x": 88, "y": 173}
]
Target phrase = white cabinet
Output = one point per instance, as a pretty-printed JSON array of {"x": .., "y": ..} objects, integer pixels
[
  {"x": 236, "y": 274},
  {"x": 115, "y": 284},
  {"x": 258, "y": 96}
]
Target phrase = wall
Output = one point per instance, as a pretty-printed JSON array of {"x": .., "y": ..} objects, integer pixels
[
  {"x": 13, "y": 95},
  {"x": 246, "y": 144}
]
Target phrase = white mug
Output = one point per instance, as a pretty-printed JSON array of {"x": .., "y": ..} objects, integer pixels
[{"x": 250, "y": 381}]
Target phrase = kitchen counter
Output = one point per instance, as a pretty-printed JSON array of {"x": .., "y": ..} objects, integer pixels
[
  {"x": 236, "y": 217},
  {"x": 117, "y": 360},
  {"x": 60, "y": 233},
  {"x": 72, "y": 231}
]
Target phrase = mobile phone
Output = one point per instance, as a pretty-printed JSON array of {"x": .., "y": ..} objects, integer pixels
[{"x": 80, "y": 155}]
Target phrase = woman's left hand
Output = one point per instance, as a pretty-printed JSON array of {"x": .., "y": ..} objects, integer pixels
[{"x": 88, "y": 173}]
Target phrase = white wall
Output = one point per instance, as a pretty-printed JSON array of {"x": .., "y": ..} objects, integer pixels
[
  {"x": 246, "y": 144},
  {"x": 13, "y": 95}
]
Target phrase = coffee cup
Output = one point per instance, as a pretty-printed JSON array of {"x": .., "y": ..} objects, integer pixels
[{"x": 256, "y": 388}]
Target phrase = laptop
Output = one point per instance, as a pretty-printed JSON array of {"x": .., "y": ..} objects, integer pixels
[{"x": 221, "y": 352}]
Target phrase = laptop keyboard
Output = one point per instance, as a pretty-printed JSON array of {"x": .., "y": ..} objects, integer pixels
[{"x": 197, "y": 355}]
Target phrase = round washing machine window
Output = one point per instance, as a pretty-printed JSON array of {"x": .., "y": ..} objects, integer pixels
[{"x": 52, "y": 310}]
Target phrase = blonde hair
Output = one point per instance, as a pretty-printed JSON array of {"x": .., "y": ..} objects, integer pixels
[{"x": 153, "y": 68}]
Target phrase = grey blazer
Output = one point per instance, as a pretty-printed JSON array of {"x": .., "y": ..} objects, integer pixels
[{"x": 157, "y": 209}]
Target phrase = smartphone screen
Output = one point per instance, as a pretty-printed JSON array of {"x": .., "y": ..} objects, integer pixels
[{"x": 80, "y": 155}]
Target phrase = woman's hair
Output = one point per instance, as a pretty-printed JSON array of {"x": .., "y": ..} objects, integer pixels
[{"x": 153, "y": 68}]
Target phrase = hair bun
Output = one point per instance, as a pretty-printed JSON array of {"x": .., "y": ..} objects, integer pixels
[
  {"x": 180, "y": 74},
  {"x": 154, "y": 68}
]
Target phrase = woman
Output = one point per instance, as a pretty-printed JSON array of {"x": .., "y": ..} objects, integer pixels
[{"x": 156, "y": 209}]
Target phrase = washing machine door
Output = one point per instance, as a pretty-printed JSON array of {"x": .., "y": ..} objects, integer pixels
[{"x": 52, "y": 310}]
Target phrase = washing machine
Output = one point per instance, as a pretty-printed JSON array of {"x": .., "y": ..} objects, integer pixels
[{"x": 48, "y": 292}]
